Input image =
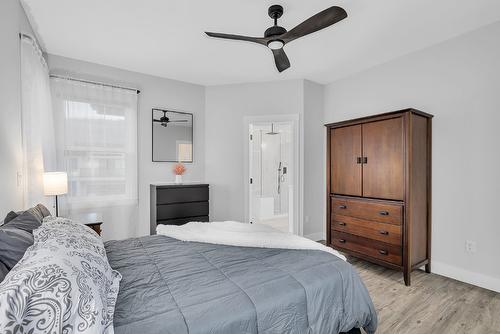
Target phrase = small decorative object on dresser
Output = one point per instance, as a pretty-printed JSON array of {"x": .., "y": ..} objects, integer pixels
[
  {"x": 179, "y": 170},
  {"x": 379, "y": 189},
  {"x": 175, "y": 204},
  {"x": 95, "y": 226}
]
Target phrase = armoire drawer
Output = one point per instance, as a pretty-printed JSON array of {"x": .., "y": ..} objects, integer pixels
[
  {"x": 384, "y": 232},
  {"x": 383, "y": 212},
  {"x": 373, "y": 248}
]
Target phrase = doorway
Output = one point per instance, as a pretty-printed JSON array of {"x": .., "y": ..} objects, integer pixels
[{"x": 272, "y": 173}]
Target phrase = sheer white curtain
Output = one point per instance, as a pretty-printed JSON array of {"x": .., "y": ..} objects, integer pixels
[
  {"x": 96, "y": 136},
  {"x": 37, "y": 123}
]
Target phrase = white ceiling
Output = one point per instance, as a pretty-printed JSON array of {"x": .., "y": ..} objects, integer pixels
[{"x": 165, "y": 37}]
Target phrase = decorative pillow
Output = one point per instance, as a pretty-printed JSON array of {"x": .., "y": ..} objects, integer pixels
[
  {"x": 11, "y": 215},
  {"x": 13, "y": 244},
  {"x": 26, "y": 221},
  {"x": 63, "y": 284},
  {"x": 39, "y": 211},
  {"x": 3, "y": 271}
]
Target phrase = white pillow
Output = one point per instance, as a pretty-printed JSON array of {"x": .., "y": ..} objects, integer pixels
[{"x": 63, "y": 284}]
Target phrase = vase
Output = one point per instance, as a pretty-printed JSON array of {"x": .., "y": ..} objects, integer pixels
[{"x": 178, "y": 179}]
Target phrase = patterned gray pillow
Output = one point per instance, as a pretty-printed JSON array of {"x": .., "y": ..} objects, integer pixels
[{"x": 63, "y": 284}]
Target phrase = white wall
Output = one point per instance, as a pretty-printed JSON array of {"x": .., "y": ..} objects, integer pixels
[
  {"x": 459, "y": 82},
  {"x": 12, "y": 21},
  {"x": 155, "y": 92},
  {"x": 314, "y": 162},
  {"x": 226, "y": 106}
]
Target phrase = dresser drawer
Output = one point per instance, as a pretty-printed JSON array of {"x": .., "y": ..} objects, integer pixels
[
  {"x": 384, "y": 232},
  {"x": 182, "y": 221},
  {"x": 383, "y": 212},
  {"x": 181, "y": 210},
  {"x": 181, "y": 194},
  {"x": 373, "y": 248}
]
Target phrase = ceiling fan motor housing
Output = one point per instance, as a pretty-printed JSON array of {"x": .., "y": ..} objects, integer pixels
[{"x": 274, "y": 31}]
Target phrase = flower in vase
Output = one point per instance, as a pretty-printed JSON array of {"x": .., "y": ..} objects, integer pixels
[{"x": 179, "y": 169}]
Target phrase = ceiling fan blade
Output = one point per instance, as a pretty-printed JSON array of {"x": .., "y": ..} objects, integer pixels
[
  {"x": 156, "y": 120},
  {"x": 259, "y": 40},
  {"x": 316, "y": 22},
  {"x": 182, "y": 120},
  {"x": 281, "y": 60}
]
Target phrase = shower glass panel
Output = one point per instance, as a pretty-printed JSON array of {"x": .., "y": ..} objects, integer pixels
[{"x": 270, "y": 172}]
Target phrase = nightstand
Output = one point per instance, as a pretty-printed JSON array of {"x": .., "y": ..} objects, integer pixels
[{"x": 95, "y": 226}]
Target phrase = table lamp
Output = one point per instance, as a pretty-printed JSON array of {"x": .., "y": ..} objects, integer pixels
[{"x": 54, "y": 184}]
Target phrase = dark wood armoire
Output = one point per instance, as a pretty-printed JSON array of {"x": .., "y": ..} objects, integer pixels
[{"x": 379, "y": 189}]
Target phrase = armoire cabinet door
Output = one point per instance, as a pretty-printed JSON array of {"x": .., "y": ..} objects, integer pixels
[
  {"x": 346, "y": 170},
  {"x": 383, "y": 151}
]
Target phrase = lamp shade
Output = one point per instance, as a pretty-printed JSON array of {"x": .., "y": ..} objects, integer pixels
[{"x": 55, "y": 183}]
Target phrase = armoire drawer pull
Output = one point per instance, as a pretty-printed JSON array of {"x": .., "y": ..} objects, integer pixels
[
  {"x": 384, "y": 213},
  {"x": 382, "y": 252},
  {"x": 342, "y": 241},
  {"x": 342, "y": 224},
  {"x": 342, "y": 206},
  {"x": 384, "y": 232}
]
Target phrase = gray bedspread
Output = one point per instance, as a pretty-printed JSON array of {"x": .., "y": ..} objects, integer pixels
[{"x": 176, "y": 287}]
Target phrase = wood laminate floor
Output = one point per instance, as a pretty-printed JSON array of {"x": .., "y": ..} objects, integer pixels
[{"x": 432, "y": 304}]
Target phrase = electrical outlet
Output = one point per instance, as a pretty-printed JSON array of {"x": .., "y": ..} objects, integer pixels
[{"x": 470, "y": 246}]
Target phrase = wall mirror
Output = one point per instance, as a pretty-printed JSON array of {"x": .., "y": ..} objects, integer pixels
[{"x": 172, "y": 136}]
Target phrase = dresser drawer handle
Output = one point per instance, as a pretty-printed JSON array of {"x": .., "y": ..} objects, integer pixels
[
  {"x": 342, "y": 206},
  {"x": 383, "y": 252},
  {"x": 384, "y": 232},
  {"x": 383, "y": 213},
  {"x": 342, "y": 224},
  {"x": 342, "y": 241}
]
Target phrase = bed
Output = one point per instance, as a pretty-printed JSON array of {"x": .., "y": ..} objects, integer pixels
[
  {"x": 159, "y": 284},
  {"x": 171, "y": 286}
]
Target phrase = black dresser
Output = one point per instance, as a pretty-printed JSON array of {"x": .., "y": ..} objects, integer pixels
[{"x": 178, "y": 204}]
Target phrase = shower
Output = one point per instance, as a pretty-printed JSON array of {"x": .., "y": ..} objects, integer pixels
[{"x": 270, "y": 157}]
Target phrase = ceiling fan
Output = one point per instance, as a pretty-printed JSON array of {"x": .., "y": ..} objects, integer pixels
[
  {"x": 164, "y": 120},
  {"x": 276, "y": 37}
]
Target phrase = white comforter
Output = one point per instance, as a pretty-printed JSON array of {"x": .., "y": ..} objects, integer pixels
[{"x": 240, "y": 234}]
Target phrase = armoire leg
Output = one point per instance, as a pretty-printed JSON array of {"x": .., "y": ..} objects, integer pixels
[
  {"x": 428, "y": 267},
  {"x": 407, "y": 277}
]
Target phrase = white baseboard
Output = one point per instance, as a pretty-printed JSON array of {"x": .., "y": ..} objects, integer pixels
[
  {"x": 316, "y": 236},
  {"x": 483, "y": 281}
]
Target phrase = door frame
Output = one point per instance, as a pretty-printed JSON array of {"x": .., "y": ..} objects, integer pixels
[{"x": 294, "y": 211}]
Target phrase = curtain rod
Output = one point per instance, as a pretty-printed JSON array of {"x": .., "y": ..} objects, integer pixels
[
  {"x": 93, "y": 82},
  {"x": 37, "y": 47}
]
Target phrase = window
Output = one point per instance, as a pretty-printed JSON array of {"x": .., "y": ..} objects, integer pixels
[{"x": 96, "y": 134}]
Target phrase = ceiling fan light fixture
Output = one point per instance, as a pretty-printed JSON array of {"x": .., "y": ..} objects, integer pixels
[{"x": 275, "y": 45}]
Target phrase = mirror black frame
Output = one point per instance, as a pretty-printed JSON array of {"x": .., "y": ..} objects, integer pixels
[{"x": 152, "y": 134}]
